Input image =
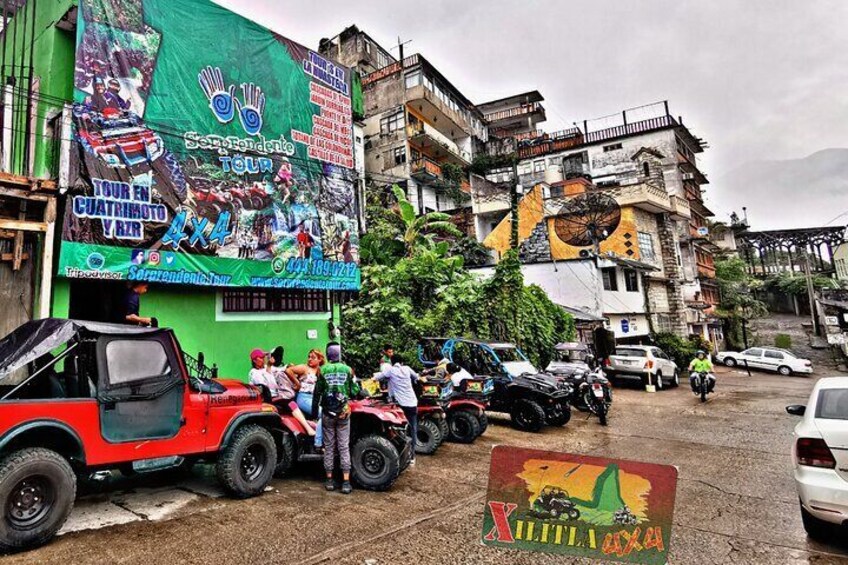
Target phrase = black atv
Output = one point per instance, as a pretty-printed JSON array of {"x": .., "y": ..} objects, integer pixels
[
  {"x": 554, "y": 503},
  {"x": 530, "y": 397}
]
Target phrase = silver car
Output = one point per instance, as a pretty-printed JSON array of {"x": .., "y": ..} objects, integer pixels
[{"x": 768, "y": 358}]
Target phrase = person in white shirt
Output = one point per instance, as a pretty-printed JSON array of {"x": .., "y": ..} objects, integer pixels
[
  {"x": 262, "y": 374},
  {"x": 401, "y": 378}
]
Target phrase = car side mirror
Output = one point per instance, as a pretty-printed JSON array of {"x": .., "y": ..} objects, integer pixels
[{"x": 796, "y": 409}]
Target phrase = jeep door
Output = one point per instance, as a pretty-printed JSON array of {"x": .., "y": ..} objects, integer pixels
[{"x": 143, "y": 397}]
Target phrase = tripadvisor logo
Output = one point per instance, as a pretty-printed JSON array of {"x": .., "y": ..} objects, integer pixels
[{"x": 95, "y": 261}]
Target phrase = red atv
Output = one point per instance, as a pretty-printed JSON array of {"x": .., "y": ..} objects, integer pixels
[
  {"x": 380, "y": 447},
  {"x": 464, "y": 407},
  {"x": 92, "y": 397},
  {"x": 119, "y": 138},
  {"x": 251, "y": 197}
]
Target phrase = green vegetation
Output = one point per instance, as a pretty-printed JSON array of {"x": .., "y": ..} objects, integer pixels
[
  {"x": 415, "y": 285},
  {"x": 681, "y": 350},
  {"x": 738, "y": 301},
  {"x": 783, "y": 341},
  {"x": 789, "y": 283}
]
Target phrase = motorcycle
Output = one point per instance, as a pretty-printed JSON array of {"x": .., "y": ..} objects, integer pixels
[
  {"x": 702, "y": 385},
  {"x": 592, "y": 393}
]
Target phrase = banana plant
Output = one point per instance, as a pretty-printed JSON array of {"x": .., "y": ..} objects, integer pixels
[{"x": 418, "y": 230}]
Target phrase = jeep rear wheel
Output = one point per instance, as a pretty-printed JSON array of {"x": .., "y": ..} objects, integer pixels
[
  {"x": 464, "y": 426},
  {"x": 375, "y": 462},
  {"x": 528, "y": 415},
  {"x": 247, "y": 463},
  {"x": 286, "y": 454},
  {"x": 429, "y": 437},
  {"x": 37, "y": 490}
]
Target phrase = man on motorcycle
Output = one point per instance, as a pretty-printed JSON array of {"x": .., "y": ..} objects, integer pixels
[{"x": 701, "y": 364}]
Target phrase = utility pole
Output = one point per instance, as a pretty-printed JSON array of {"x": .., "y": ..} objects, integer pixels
[
  {"x": 513, "y": 207},
  {"x": 811, "y": 292}
]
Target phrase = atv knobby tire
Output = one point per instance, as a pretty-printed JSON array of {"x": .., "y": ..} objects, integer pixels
[
  {"x": 483, "y": 420},
  {"x": 429, "y": 437},
  {"x": 37, "y": 491},
  {"x": 444, "y": 428},
  {"x": 527, "y": 415},
  {"x": 464, "y": 426},
  {"x": 560, "y": 415},
  {"x": 286, "y": 454},
  {"x": 246, "y": 465},
  {"x": 375, "y": 462}
]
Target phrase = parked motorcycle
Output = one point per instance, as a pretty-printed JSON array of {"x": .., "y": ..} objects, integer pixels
[{"x": 591, "y": 391}]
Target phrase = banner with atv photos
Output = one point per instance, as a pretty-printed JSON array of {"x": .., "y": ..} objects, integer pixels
[
  {"x": 212, "y": 153},
  {"x": 607, "y": 509}
]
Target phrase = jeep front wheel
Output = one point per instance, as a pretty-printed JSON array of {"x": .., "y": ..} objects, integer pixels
[
  {"x": 246, "y": 465},
  {"x": 37, "y": 490},
  {"x": 375, "y": 462}
]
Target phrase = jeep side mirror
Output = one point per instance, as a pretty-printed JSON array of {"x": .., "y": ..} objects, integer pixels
[{"x": 796, "y": 409}]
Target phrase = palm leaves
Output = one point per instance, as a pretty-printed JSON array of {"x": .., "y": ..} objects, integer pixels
[{"x": 419, "y": 231}]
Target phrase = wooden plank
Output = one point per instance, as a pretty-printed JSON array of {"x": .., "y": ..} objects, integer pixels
[
  {"x": 6, "y": 224},
  {"x": 24, "y": 194},
  {"x": 11, "y": 257},
  {"x": 46, "y": 286},
  {"x": 28, "y": 182},
  {"x": 18, "y": 249}
]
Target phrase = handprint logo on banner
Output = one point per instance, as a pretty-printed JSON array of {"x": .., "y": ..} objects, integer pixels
[
  {"x": 250, "y": 113},
  {"x": 223, "y": 101}
]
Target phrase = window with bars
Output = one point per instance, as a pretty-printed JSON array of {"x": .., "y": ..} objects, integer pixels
[
  {"x": 391, "y": 123},
  {"x": 646, "y": 246},
  {"x": 275, "y": 300}
]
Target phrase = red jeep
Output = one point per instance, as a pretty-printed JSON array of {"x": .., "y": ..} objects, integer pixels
[{"x": 93, "y": 397}]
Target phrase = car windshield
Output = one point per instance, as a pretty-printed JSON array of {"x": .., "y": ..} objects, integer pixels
[
  {"x": 518, "y": 368},
  {"x": 833, "y": 404},
  {"x": 570, "y": 356},
  {"x": 629, "y": 352},
  {"x": 509, "y": 354}
]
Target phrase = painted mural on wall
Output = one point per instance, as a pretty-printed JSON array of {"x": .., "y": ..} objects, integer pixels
[{"x": 216, "y": 153}]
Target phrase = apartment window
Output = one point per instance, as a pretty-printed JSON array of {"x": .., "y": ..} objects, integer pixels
[
  {"x": 646, "y": 169},
  {"x": 399, "y": 154},
  {"x": 391, "y": 123},
  {"x": 539, "y": 166},
  {"x": 612, "y": 147},
  {"x": 274, "y": 300},
  {"x": 646, "y": 246},
  {"x": 368, "y": 47},
  {"x": 525, "y": 169},
  {"x": 631, "y": 280},
  {"x": 413, "y": 79},
  {"x": 414, "y": 154},
  {"x": 610, "y": 279},
  {"x": 428, "y": 84}
]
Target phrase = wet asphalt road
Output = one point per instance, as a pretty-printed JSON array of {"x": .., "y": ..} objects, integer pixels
[{"x": 736, "y": 500}]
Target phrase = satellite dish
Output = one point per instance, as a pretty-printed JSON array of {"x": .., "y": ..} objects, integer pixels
[{"x": 587, "y": 219}]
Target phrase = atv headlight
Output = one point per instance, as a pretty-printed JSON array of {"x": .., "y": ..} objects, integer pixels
[
  {"x": 111, "y": 159},
  {"x": 155, "y": 148}
]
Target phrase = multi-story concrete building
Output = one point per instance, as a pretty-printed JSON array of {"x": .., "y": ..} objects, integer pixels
[
  {"x": 516, "y": 116},
  {"x": 420, "y": 130},
  {"x": 646, "y": 160}
]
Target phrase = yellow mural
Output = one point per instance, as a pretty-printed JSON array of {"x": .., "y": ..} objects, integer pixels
[{"x": 531, "y": 210}]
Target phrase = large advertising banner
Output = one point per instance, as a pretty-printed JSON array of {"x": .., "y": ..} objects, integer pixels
[
  {"x": 591, "y": 507},
  {"x": 210, "y": 151}
]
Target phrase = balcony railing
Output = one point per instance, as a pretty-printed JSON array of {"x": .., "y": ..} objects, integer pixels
[
  {"x": 549, "y": 143},
  {"x": 630, "y": 129},
  {"x": 643, "y": 196},
  {"x": 438, "y": 138},
  {"x": 522, "y": 110},
  {"x": 425, "y": 169},
  {"x": 680, "y": 208}
]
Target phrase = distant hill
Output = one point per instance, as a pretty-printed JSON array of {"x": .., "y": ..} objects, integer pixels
[{"x": 792, "y": 193}]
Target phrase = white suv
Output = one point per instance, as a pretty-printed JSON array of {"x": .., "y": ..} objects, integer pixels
[
  {"x": 644, "y": 362},
  {"x": 769, "y": 358},
  {"x": 820, "y": 454}
]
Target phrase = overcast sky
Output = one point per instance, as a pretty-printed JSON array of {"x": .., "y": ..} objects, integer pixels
[{"x": 757, "y": 79}]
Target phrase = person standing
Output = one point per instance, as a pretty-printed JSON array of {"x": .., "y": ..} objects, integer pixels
[
  {"x": 132, "y": 305},
  {"x": 335, "y": 387},
  {"x": 388, "y": 353},
  {"x": 401, "y": 378}
]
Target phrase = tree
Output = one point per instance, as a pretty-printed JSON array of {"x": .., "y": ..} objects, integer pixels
[{"x": 738, "y": 302}]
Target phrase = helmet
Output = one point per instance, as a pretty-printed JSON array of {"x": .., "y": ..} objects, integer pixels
[{"x": 701, "y": 352}]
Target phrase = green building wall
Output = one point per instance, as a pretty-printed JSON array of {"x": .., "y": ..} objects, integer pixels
[{"x": 225, "y": 339}]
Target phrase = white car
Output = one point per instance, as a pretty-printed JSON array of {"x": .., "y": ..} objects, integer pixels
[
  {"x": 820, "y": 455},
  {"x": 644, "y": 362},
  {"x": 768, "y": 358}
]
